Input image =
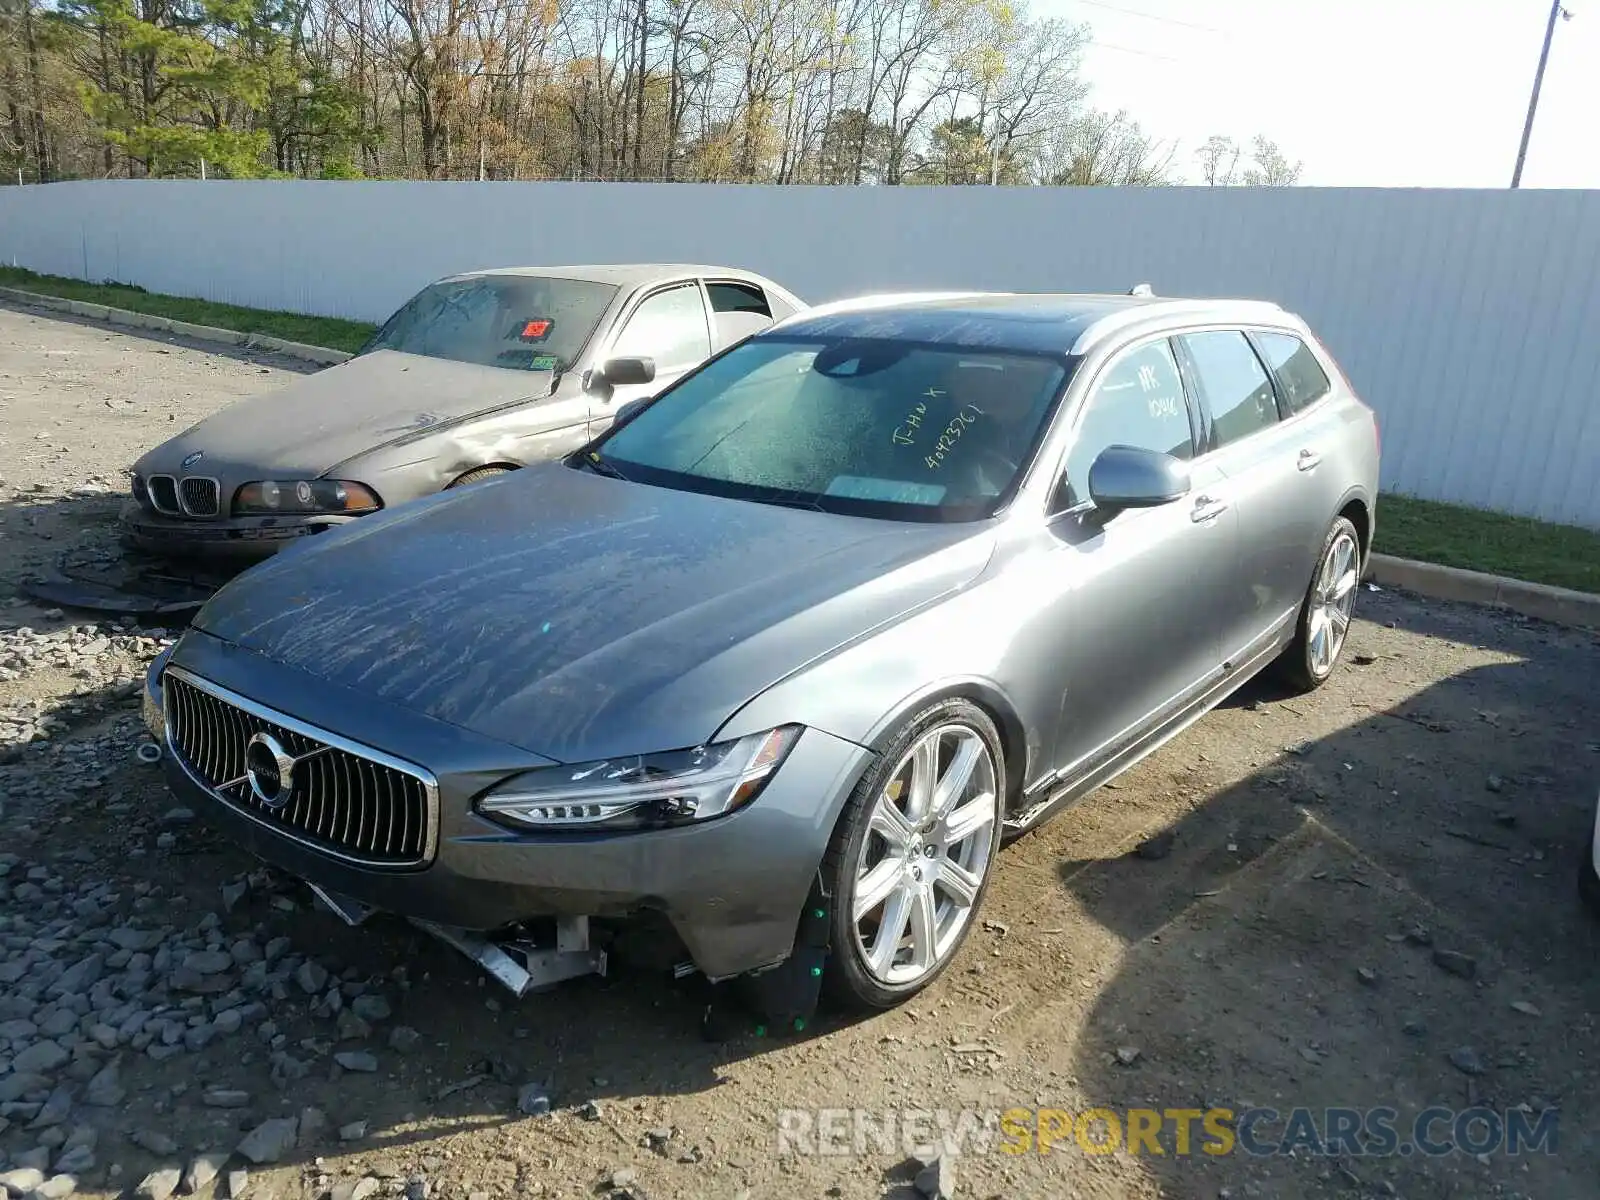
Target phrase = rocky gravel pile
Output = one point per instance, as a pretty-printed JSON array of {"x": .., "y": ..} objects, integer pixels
[
  {"x": 102, "y": 663},
  {"x": 97, "y": 985},
  {"x": 103, "y": 996}
]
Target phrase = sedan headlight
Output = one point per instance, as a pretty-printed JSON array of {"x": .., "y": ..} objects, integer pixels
[
  {"x": 643, "y": 791},
  {"x": 305, "y": 496}
]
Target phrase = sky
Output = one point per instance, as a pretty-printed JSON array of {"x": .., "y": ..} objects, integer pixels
[{"x": 1366, "y": 93}]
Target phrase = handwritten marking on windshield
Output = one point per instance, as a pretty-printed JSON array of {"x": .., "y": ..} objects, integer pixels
[
  {"x": 902, "y": 432},
  {"x": 952, "y": 434},
  {"x": 933, "y": 393}
]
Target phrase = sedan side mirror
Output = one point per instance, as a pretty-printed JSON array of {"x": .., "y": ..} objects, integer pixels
[
  {"x": 1128, "y": 477},
  {"x": 626, "y": 372}
]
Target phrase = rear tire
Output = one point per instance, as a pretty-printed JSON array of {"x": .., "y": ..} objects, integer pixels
[
  {"x": 1310, "y": 660},
  {"x": 914, "y": 851},
  {"x": 477, "y": 475}
]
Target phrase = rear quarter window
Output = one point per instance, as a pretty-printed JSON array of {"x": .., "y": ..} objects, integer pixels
[
  {"x": 1300, "y": 377},
  {"x": 738, "y": 298}
]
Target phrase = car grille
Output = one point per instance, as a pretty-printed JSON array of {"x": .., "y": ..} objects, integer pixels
[
  {"x": 199, "y": 496},
  {"x": 163, "y": 493},
  {"x": 348, "y": 801}
]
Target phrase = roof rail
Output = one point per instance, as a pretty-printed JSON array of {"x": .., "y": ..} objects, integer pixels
[
  {"x": 878, "y": 300},
  {"x": 1136, "y": 314}
]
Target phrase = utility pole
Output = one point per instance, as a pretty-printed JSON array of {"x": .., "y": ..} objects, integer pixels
[{"x": 1556, "y": 10}]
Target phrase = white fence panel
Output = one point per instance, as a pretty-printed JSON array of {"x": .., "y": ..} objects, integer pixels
[{"x": 1469, "y": 319}]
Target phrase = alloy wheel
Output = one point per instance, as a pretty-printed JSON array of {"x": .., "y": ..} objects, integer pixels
[
  {"x": 1332, "y": 604},
  {"x": 926, "y": 854}
]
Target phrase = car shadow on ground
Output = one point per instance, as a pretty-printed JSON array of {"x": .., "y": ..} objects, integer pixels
[{"x": 1406, "y": 882}]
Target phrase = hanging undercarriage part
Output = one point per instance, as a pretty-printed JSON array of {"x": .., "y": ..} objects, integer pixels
[{"x": 517, "y": 960}]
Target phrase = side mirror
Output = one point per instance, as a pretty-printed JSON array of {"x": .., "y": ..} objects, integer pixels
[
  {"x": 1127, "y": 477},
  {"x": 624, "y": 372}
]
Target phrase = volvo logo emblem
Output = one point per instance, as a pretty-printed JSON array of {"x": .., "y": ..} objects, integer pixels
[
  {"x": 189, "y": 460},
  {"x": 270, "y": 770}
]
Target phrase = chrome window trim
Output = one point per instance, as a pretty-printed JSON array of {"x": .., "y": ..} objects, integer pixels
[
  {"x": 430, "y": 783},
  {"x": 151, "y": 492},
  {"x": 183, "y": 504}
]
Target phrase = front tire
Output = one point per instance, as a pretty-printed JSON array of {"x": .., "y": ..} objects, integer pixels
[
  {"x": 1308, "y": 662},
  {"x": 912, "y": 854},
  {"x": 477, "y": 475}
]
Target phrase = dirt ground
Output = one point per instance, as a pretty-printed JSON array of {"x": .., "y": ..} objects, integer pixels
[{"x": 1368, "y": 902}]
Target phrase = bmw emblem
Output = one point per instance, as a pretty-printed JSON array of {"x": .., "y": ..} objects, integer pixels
[{"x": 189, "y": 460}]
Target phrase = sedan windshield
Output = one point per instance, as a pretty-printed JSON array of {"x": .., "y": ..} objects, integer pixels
[
  {"x": 522, "y": 322},
  {"x": 865, "y": 426}
]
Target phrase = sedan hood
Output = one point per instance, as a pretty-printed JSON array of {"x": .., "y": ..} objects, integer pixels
[
  {"x": 581, "y": 617},
  {"x": 317, "y": 422}
]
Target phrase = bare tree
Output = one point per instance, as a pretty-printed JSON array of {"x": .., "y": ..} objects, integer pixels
[
  {"x": 1269, "y": 166},
  {"x": 1219, "y": 161},
  {"x": 1102, "y": 149}
]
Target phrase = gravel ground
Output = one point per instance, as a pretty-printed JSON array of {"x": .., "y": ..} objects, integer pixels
[{"x": 1362, "y": 898}]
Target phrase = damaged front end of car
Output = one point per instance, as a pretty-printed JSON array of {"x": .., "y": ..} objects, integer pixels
[{"x": 555, "y": 943}]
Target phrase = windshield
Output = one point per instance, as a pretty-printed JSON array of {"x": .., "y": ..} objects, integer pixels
[
  {"x": 870, "y": 427},
  {"x": 522, "y": 322}
]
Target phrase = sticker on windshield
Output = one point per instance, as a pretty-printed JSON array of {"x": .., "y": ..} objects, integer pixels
[
  {"x": 522, "y": 359},
  {"x": 536, "y": 330},
  {"x": 895, "y": 491}
]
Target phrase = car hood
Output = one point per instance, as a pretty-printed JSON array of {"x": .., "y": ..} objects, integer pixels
[
  {"x": 581, "y": 617},
  {"x": 321, "y": 420}
]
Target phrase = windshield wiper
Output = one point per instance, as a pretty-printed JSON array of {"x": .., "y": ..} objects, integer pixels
[
  {"x": 789, "y": 500},
  {"x": 600, "y": 467}
]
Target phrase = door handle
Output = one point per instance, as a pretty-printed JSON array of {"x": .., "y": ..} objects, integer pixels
[
  {"x": 1308, "y": 460},
  {"x": 1207, "y": 508}
]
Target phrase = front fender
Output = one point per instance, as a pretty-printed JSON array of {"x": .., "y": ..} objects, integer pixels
[{"x": 956, "y": 648}]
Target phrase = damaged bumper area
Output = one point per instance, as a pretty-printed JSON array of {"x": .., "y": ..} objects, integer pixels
[
  {"x": 241, "y": 540},
  {"x": 732, "y": 889}
]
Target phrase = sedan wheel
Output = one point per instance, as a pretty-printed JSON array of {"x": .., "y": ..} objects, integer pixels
[
  {"x": 911, "y": 858},
  {"x": 477, "y": 475},
  {"x": 1328, "y": 610}
]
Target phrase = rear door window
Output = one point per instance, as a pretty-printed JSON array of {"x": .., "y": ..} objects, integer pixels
[
  {"x": 1233, "y": 383},
  {"x": 738, "y": 297},
  {"x": 737, "y": 311},
  {"x": 1301, "y": 379}
]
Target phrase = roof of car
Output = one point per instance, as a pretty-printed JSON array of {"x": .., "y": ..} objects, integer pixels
[
  {"x": 622, "y": 274},
  {"x": 1057, "y": 322}
]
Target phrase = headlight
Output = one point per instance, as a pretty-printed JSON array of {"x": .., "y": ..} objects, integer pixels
[
  {"x": 643, "y": 791},
  {"x": 155, "y": 720},
  {"x": 305, "y": 496}
]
